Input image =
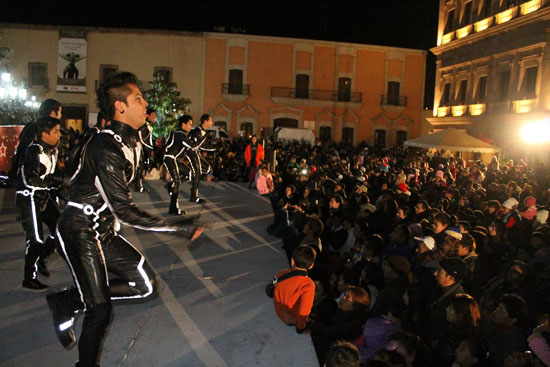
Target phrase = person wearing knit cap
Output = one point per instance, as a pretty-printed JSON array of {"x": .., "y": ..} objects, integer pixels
[{"x": 530, "y": 212}]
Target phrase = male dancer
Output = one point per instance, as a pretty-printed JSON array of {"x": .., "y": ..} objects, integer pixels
[
  {"x": 145, "y": 144},
  {"x": 36, "y": 181},
  {"x": 88, "y": 229},
  {"x": 179, "y": 146},
  {"x": 199, "y": 165}
]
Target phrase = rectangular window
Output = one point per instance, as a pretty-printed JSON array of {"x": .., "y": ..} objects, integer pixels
[
  {"x": 503, "y": 85},
  {"x": 486, "y": 10},
  {"x": 302, "y": 86},
  {"x": 530, "y": 82},
  {"x": 344, "y": 89},
  {"x": 450, "y": 21},
  {"x": 446, "y": 97},
  {"x": 325, "y": 133},
  {"x": 38, "y": 76},
  {"x": 393, "y": 93},
  {"x": 235, "y": 81},
  {"x": 462, "y": 92},
  {"x": 380, "y": 139},
  {"x": 482, "y": 89},
  {"x": 106, "y": 71},
  {"x": 163, "y": 72},
  {"x": 246, "y": 128},
  {"x": 467, "y": 16},
  {"x": 347, "y": 135},
  {"x": 400, "y": 138}
]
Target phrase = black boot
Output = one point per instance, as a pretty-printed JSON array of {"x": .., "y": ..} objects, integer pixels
[
  {"x": 63, "y": 306},
  {"x": 34, "y": 285},
  {"x": 42, "y": 268},
  {"x": 168, "y": 187},
  {"x": 174, "y": 206}
]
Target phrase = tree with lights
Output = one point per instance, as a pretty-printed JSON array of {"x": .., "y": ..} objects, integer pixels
[{"x": 165, "y": 99}]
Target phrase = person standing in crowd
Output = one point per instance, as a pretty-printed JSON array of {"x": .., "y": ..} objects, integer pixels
[
  {"x": 145, "y": 147},
  {"x": 179, "y": 146},
  {"x": 75, "y": 154},
  {"x": 35, "y": 202},
  {"x": 253, "y": 154},
  {"x": 199, "y": 165},
  {"x": 49, "y": 107},
  {"x": 88, "y": 231}
]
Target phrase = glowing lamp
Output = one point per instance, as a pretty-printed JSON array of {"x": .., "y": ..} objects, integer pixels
[{"x": 536, "y": 132}]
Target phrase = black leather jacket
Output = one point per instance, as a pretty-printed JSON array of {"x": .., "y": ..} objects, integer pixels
[
  {"x": 179, "y": 141},
  {"x": 145, "y": 134},
  {"x": 107, "y": 165},
  {"x": 198, "y": 136},
  {"x": 37, "y": 173}
]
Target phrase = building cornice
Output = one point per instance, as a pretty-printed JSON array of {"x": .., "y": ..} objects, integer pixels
[{"x": 542, "y": 14}]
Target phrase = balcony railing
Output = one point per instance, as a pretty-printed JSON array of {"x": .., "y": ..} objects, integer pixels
[
  {"x": 464, "y": 31},
  {"x": 240, "y": 89},
  {"x": 391, "y": 101},
  {"x": 316, "y": 94},
  {"x": 483, "y": 24},
  {"x": 506, "y": 15}
]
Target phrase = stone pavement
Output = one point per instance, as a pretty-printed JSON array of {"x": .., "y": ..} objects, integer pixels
[{"x": 211, "y": 309}]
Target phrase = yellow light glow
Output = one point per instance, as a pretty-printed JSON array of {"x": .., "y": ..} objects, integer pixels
[
  {"x": 483, "y": 24},
  {"x": 446, "y": 38},
  {"x": 530, "y": 7},
  {"x": 442, "y": 111},
  {"x": 464, "y": 31},
  {"x": 459, "y": 110},
  {"x": 536, "y": 132},
  {"x": 523, "y": 106},
  {"x": 506, "y": 15},
  {"x": 477, "y": 109}
]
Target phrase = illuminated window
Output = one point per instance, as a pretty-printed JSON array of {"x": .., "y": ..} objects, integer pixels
[{"x": 344, "y": 89}]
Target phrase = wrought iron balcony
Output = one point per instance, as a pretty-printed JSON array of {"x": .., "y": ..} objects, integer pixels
[
  {"x": 240, "y": 89},
  {"x": 389, "y": 101},
  {"x": 316, "y": 94}
]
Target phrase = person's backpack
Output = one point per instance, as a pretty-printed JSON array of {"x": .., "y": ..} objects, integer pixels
[{"x": 270, "y": 287}]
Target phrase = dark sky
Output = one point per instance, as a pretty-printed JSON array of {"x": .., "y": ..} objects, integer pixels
[{"x": 401, "y": 23}]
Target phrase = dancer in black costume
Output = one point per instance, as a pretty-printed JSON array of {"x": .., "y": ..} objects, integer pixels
[
  {"x": 178, "y": 147},
  {"x": 104, "y": 265},
  {"x": 199, "y": 165}
]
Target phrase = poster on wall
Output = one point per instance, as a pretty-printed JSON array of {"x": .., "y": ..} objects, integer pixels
[
  {"x": 71, "y": 62},
  {"x": 9, "y": 138}
]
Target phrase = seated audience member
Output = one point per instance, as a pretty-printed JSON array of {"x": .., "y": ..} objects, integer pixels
[
  {"x": 344, "y": 324},
  {"x": 342, "y": 354},
  {"x": 264, "y": 182},
  {"x": 293, "y": 297},
  {"x": 470, "y": 353},
  {"x": 503, "y": 331}
]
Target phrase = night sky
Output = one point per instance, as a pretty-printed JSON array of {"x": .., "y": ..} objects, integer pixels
[{"x": 401, "y": 23}]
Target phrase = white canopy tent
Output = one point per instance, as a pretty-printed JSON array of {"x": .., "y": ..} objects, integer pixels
[{"x": 453, "y": 140}]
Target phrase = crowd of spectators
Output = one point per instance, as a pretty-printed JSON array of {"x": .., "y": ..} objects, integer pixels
[{"x": 420, "y": 260}]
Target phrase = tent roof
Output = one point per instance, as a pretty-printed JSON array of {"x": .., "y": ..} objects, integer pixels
[{"x": 452, "y": 139}]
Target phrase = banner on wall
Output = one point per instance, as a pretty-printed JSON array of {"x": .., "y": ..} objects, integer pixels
[
  {"x": 9, "y": 138},
  {"x": 71, "y": 64}
]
